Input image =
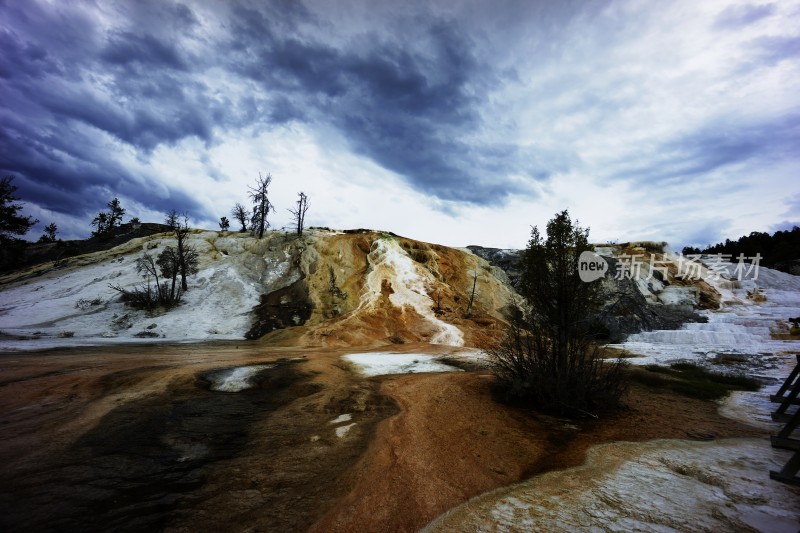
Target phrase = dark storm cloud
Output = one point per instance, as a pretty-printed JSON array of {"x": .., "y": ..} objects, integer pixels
[
  {"x": 72, "y": 177},
  {"x": 125, "y": 48},
  {"x": 405, "y": 107},
  {"x": 404, "y": 97},
  {"x": 163, "y": 111},
  {"x": 20, "y": 59},
  {"x": 53, "y": 108}
]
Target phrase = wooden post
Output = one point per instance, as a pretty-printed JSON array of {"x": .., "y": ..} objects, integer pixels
[
  {"x": 780, "y": 414},
  {"x": 783, "y": 439},
  {"x": 788, "y": 473},
  {"x": 778, "y": 397}
]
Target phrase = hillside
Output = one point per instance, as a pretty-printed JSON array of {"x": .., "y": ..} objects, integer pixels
[
  {"x": 357, "y": 288},
  {"x": 326, "y": 288}
]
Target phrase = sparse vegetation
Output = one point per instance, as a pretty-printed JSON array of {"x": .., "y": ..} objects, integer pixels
[
  {"x": 650, "y": 246},
  {"x": 171, "y": 219},
  {"x": 164, "y": 270},
  {"x": 692, "y": 380},
  {"x": 84, "y": 304},
  {"x": 149, "y": 296},
  {"x": 472, "y": 294}
]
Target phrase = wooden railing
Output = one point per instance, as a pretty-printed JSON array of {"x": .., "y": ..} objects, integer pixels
[{"x": 787, "y": 396}]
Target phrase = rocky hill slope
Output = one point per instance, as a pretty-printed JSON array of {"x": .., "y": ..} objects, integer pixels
[{"x": 324, "y": 288}]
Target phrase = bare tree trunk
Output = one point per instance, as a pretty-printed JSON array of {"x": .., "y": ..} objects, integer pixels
[
  {"x": 299, "y": 213},
  {"x": 180, "y": 234},
  {"x": 261, "y": 204},
  {"x": 472, "y": 297}
]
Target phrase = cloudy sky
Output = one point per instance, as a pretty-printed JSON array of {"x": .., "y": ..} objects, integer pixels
[{"x": 456, "y": 122}]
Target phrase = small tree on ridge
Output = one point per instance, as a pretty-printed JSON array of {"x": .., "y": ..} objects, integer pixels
[
  {"x": 241, "y": 215},
  {"x": 49, "y": 234},
  {"x": 107, "y": 221}
]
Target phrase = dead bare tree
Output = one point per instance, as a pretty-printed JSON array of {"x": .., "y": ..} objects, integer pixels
[
  {"x": 147, "y": 267},
  {"x": 169, "y": 263},
  {"x": 259, "y": 195},
  {"x": 241, "y": 215},
  {"x": 299, "y": 213},
  {"x": 186, "y": 255},
  {"x": 472, "y": 296}
]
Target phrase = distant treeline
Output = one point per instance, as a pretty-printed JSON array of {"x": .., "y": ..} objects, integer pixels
[
  {"x": 780, "y": 251},
  {"x": 18, "y": 253}
]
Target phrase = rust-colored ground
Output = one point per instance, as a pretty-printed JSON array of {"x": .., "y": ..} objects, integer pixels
[
  {"x": 451, "y": 442},
  {"x": 422, "y": 444}
]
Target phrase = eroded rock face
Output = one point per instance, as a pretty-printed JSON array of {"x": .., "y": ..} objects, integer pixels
[
  {"x": 372, "y": 288},
  {"x": 626, "y": 311},
  {"x": 509, "y": 261},
  {"x": 286, "y": 307},
  {"x": 630, "y": 304}
]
